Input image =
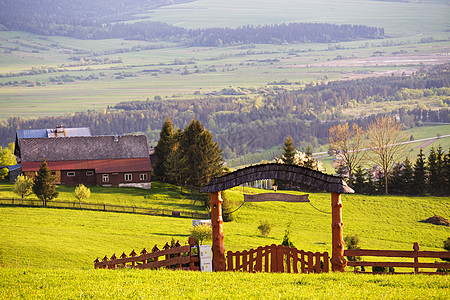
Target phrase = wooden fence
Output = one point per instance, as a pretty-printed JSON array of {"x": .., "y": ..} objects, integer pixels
[
  {"x": 106, "y": 207},
  {"x": 280, "y": 259},
  {"x": 416, "y": 254},
  {"x": 178, "y": 257}
]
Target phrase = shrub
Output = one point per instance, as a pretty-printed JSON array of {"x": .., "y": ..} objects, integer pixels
[
  {"x": 383, "y": 269},
  {"x": 447, "y": 247},
  {"x": 201, "y": 233},
  {"x": 287, "y": 237},
  {"x": 226, "y": 209},
  {"x": 265, "y": 228},
  {"x": 352, "y": 242}
]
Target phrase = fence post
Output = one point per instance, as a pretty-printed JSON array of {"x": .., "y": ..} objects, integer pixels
[
  {"x": 133, "y": 254},
  {"x": 416, "y": 257},
  {"x": 338, "y": 261},
  {"x": 192, "y": 244},
  {"x": 219, "y": 263}
]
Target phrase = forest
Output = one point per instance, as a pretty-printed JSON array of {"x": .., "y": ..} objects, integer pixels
[
  {"x": 244, "y": 125},
  {"x": 105, "y": 20}
]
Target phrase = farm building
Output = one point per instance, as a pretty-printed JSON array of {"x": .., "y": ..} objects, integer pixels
[{"x": 90, "y": 160}]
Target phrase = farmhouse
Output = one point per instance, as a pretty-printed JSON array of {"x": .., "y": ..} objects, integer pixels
[{"x": 90, "y": 160}]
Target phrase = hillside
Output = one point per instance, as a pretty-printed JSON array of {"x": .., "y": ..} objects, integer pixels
[{"x": 64, "y": 238}]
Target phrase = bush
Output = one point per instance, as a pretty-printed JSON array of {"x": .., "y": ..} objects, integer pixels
[
  {"x": 287, "y": 237},
  {"x": 352, "y": 242},
  {"x": 226, "y": 209},
  {"x": 383, "y": 269},
  {"x": 447, "y": 247},
  {"x": 201, "y": 233},
  {"x": 265, "y": 228}
]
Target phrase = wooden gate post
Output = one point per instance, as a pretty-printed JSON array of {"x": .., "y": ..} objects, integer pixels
[
  {"x": 218, "y": 249},
  {"x": 338, "y": 261}
]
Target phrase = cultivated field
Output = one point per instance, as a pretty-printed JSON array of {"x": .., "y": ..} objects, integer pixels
[{"x": 137, "y": 70}]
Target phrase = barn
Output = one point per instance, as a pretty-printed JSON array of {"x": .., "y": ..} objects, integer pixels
[{"x": 90, "y": 160}]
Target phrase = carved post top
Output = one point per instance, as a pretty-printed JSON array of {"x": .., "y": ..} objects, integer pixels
[{"x": 416, "y": 247}]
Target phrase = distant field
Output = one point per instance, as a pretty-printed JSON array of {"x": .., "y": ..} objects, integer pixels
[
  {"x": 406, "y": 24},
  {"x": 414, "y": 17}
]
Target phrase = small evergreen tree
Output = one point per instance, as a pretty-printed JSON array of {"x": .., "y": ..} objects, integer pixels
[
  {"x": 23, "y": 186},
  {"x": 407, "y": 177},
  {"x": 287, "y": 237},
  {"x": 395, "y": 179},
  {"x": 359, "y": 180},
  {"x": 164, "y": 149},
  {"x": 43, "y": 185},
  {"x": 420, "y": 178},
  {"x": 433, "y": 172},
  {"x": 370, "y": 188},
  {"x": 447, "y": 172},
  {"x": 288, "y": 156}
]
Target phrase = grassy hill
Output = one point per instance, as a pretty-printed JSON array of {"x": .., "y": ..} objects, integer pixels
[{"x": 49, "y": 253}]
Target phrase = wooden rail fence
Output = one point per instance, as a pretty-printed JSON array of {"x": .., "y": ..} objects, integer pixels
[
  {"x": 279, "y": 258},
  {"x": 106, "y": 207},
  {"x": 178, "y": 257},
  {"x": 416, "y": 254}
]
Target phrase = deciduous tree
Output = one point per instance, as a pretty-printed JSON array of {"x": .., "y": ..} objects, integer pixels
[
  {"x": 81, "y": 192},
  {"x": 347, "y": 143},
  {"x": 23, "y": 186},
  {"x": 386, "y": 143}
]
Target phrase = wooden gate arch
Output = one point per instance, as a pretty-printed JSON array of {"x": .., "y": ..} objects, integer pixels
[{"x": 335, "y": 185}]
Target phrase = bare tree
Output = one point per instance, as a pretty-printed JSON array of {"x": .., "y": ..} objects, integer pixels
[
  {"x": 347, "y": 143},
  {"x": 387, "y": 144}
]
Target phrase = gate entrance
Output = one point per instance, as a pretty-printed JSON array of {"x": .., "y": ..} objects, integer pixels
[
  {"x": 277, "y": 259},
  {"x": 335, "y": 185}
]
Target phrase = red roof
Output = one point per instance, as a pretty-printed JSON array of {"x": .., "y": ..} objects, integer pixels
[{"x": 100, "y": 165}]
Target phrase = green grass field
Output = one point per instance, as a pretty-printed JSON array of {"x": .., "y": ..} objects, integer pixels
[
  {"x": 49, "y": 253},
  {"x": 23, "y": 283}
]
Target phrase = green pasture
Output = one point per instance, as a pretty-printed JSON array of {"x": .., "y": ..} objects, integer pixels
[
  {"x": 161, "y": 196},
  {"x": 232, "y": 66},
  {"x": 27, "y": 283},
  {"x": 414, "y": 17},
  {"x": 72, "y": 239}
]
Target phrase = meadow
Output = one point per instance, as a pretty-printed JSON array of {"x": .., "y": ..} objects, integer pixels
[{"x": 49, "y": 253}]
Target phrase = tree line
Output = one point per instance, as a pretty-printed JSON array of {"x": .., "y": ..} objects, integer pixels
[
  {"x": 243, "y": 126},
  {"x": 382, "y": 147},
  {"x": 106, "y": 19},
  {"x": 427, "y": 175}
]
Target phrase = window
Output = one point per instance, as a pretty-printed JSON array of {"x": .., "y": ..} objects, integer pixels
[
  {"x": 105, "y": 177},
  {"x": 70, "y": 174},
  {"x": 89, "y": 173},
  {"x": 128, "y": 177},
  {"x": 143, "y": 177},
  {"x": 53, "y": 173}
]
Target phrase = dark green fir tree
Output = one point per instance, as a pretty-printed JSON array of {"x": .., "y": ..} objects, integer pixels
[{"x": 44, "y": 186}]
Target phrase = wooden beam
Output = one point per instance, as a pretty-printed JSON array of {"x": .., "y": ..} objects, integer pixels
[{"x": 276, "y": 197}]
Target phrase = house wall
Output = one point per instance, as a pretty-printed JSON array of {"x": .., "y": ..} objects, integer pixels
[
  {"x": 117, "y": 179},
  {"x": 80, "y": 177}
]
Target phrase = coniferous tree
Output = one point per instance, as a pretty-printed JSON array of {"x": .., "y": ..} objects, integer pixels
[
  {"x": 433, "y": 172},
  {"x": 288, "y": 155},
  {"x": 420, "y": 177},
  {"x": 359, "y": 180},
  {"x": 407, "y": 177},
  {"x": 202, "y": 155},
  {"x": 43, "y": 185},
  {"x": 164, "y": 149},
  {"x": 395, "y": 179},
  {"x": 370, "y": 183},
  {"x": 440, "y": 169},
  {"x": 447, "y": 172}
]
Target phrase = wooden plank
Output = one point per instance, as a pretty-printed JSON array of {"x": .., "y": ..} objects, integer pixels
[
  {"x": 397, "y": 253},
  {"x": 264, "y": 197},
  {"x": 166, "y": 262},
  {"x": 398, "y": 264}
]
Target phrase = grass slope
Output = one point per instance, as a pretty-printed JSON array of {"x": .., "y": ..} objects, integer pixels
[
  {"x": 60, "y": 238},
  {"x": 138, "y": 284}
]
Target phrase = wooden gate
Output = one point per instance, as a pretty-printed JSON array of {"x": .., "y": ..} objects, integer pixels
[{"x": 279, "y": 259}]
